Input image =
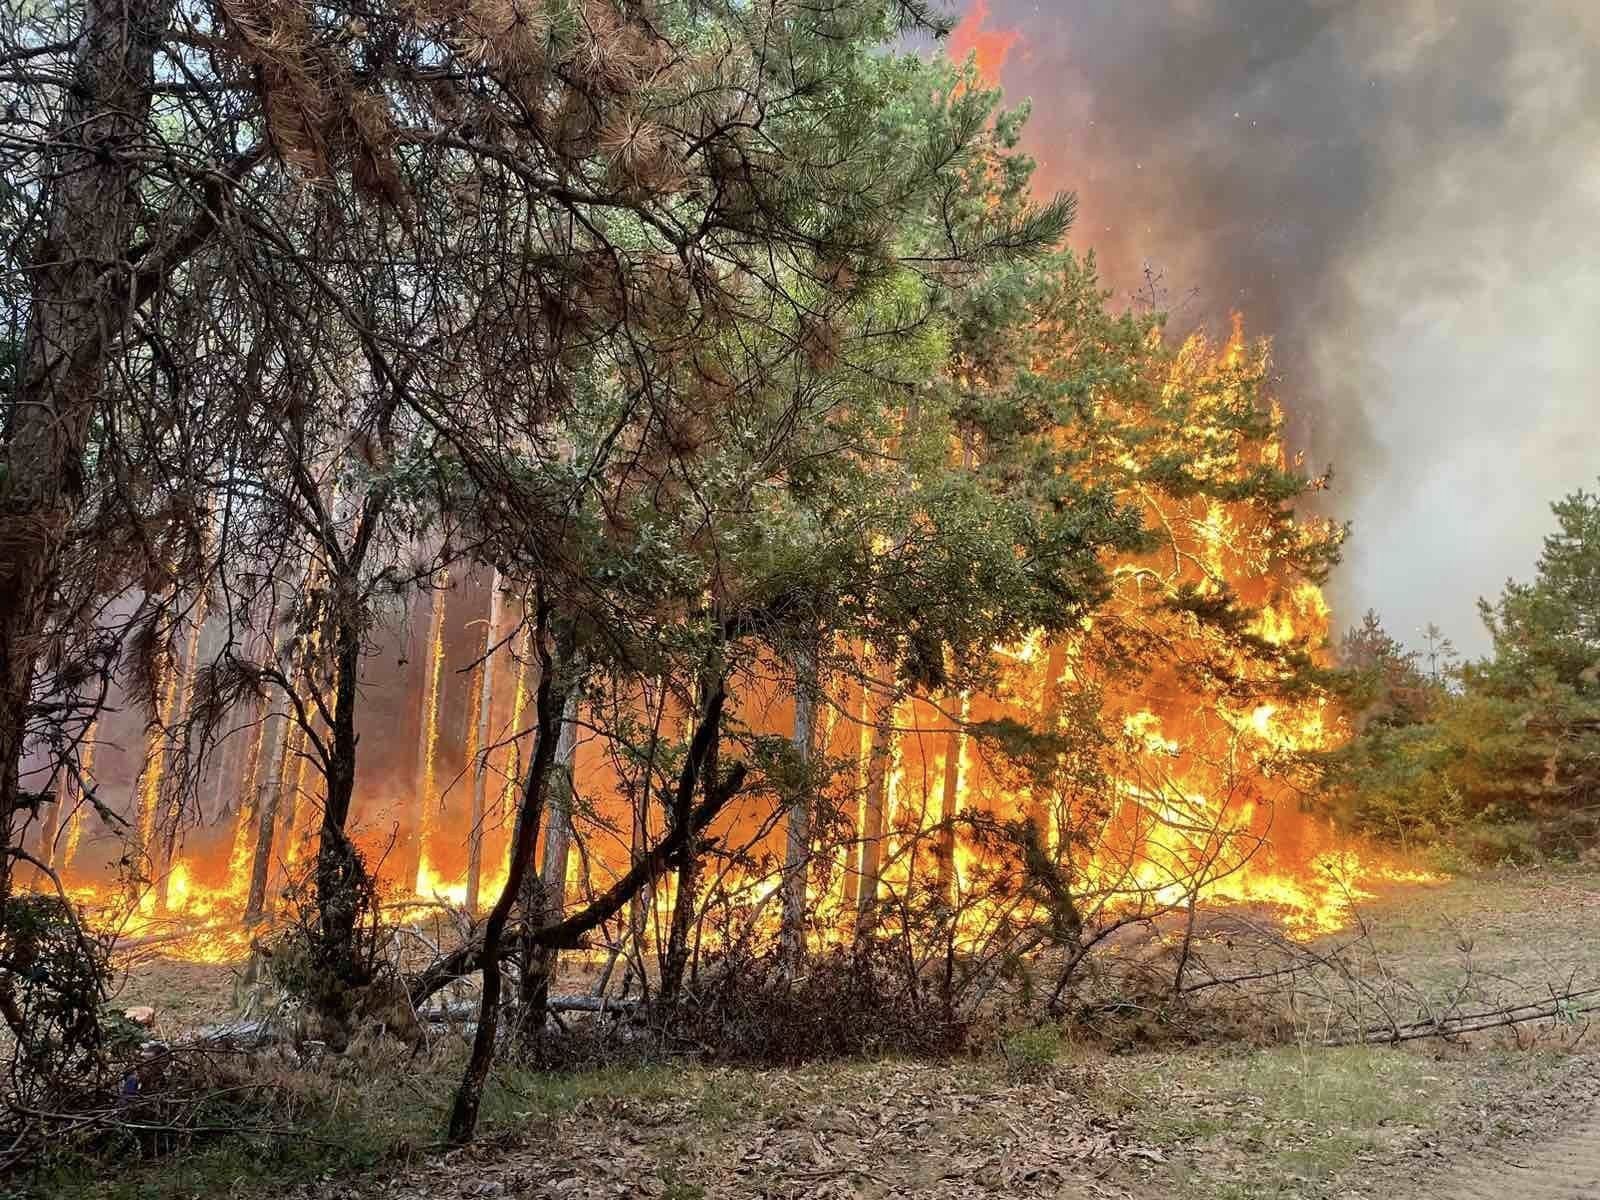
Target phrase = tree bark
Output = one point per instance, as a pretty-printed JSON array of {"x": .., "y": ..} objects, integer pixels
[
  {"x": 550, "y": 706},
  {"x": 548, "y": 894},
  {"x": 341, "y": 878},
  {"x": 77, "y": 272}
]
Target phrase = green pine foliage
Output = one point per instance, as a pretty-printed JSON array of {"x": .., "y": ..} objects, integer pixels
[{"x": 1497, "y": 759}]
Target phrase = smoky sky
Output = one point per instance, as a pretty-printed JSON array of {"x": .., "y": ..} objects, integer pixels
[{"x": 1403, "y": 194}]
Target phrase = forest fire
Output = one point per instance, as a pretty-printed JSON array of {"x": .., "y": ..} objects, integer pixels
[
  {"x": 567, "y": 534},
  {"x": 1193, "y": 796}
]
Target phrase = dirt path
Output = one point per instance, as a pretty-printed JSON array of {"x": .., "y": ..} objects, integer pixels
[{"x": 1566, "y": 1167}]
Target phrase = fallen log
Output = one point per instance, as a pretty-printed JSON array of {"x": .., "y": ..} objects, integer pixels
[{"x": 1564, "y": 1005}]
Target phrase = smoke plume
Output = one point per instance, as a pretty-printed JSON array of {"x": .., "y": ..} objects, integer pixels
[{"x": 1403, "y": 194}]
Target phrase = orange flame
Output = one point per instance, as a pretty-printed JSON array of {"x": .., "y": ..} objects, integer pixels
[{"x": 992, "y": 46}]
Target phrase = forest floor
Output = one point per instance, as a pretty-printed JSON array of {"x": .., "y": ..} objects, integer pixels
[{"x": 1070, "y": 1115}]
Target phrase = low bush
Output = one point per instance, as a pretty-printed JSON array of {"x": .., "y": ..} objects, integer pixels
[
  {"x": 1030, "y": 1054},
  {"x": 847, "y": 1002}
]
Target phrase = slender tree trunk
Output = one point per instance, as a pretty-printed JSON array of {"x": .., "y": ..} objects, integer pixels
[
  {"x": 419, "y": 656},
  {"x": 641, "y": 909},
  {"x": 550, "y": 706},
  {"x": 797, "y": 842},
  {"x": 1040, "y": 807},
  {"x": 513, "y": 768},
  {"x": 854, "y": 701},
  {"x": 75, "y": 819},
  {"x": 950, "y": 808},
  {"x": 290, "y": 817},
  {"x": 875, "y": 810},
  {"x": 48, "y": 830},
  {"x": 149, "y": 785},
  {"x": 480, "y": 780},
  {"x": 427, "y": 742},
  {"x": 227, "y": 769},
  {"x": 341, "y": 878},
  {"x": 273, "y": 772},
  {"x": 79, "y": 275},
  {"x": 550, "y": 893},
  {"x": 249, "y": 787},
  {"x": 170, "y": 820},
  {"x": 675, "y": 962}
]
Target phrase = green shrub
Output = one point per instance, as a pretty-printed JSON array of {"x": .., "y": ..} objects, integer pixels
[{"x": 1031, "y": 1053}]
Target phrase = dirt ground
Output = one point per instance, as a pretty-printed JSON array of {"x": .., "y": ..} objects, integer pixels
[{"x": 1502, "y": 1113}]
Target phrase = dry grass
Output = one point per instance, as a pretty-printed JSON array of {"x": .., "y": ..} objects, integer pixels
[
  {"x": 1303, "y": 1120},
  {"x": 1046, "y": 1113}
]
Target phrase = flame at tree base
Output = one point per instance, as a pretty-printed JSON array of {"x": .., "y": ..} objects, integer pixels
[
  {"x": 1187, "y": 793},
  {"x": 1308, "y": 899}
]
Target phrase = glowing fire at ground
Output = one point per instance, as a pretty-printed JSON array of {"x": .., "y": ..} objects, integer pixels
[{"x": 1201, "y": 804}]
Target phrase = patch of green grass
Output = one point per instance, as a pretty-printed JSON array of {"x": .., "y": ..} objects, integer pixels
[
  {"x": 517, "y": 1094},
  {"x": 1296, "y": 1115},
  {"x": 1031, "y": 1053}
]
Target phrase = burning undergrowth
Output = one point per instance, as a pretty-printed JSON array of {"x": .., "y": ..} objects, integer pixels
[
  {"x": 956, "y": 844},
  {"x": 1161, "y": 754}
]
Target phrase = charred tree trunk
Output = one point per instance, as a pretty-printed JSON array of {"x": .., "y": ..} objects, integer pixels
[
  {"x": 342, "y": 884},
  {"x": 344, "y": 891},
  {"x": 550, "y": 706},
  {"x": 547, "y": 898},
  {"x": 675, "y": 961}
]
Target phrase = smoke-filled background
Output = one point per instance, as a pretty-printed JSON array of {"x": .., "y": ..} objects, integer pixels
[{"x": 1403, "y": 194}]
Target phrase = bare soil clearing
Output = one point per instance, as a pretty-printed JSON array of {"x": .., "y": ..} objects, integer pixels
[{"x": 1561, "y": 1168}]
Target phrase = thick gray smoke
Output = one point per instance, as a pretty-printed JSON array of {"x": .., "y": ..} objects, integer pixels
[{"x": 1404, "y": 194}]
